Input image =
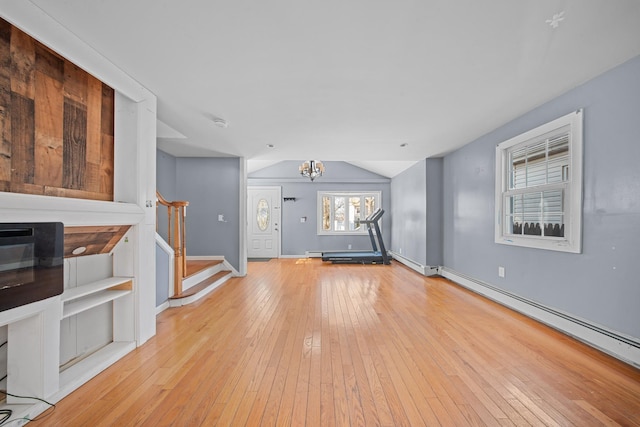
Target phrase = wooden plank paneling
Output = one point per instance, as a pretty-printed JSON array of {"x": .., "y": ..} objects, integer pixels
[
  {"x": 48, "y": 131},
  {"x": 49, "y": 63},
  {"x": 23, "y": 59},
  {"x": 22, "y": 139},
  {"x": 94, "y": 135},
  {"x": 5, "y": 136},
  {"x": 106, "y": 165},
  {"x": 17, "y": 187},
  {"x": 5, "y": 105},
  {"x": 77, "y": 194},
  {"x": 75, "y": 83},
  {"x": 56, "y": 123},
  {"x": 96, "y": 239},
  {"x": 108, "y": 111},
  {"x": 94, "y": 119},
  {"x": 75, "y": 145}
]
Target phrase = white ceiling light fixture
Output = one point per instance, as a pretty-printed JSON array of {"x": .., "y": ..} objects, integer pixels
[
  {"x": 220, "y": 122},
  {"x": 555, "y": 20},
  {"x": 311, "y": 169}
]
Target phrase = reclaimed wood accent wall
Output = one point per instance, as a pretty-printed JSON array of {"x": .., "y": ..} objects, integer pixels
[
  {"x": 56, "y": 123},
  {"x": 99, "y": 239}
]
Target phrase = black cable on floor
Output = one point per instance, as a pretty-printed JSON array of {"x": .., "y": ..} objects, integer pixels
[{"x": 5, "y": 414}]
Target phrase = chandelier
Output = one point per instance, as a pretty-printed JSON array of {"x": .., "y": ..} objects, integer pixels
[{"x": 311, "y": 169}]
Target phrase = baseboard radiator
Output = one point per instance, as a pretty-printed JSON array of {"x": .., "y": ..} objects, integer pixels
[
  {"x": 426, "y": 270},
  {"x": 613, "y": 343}
]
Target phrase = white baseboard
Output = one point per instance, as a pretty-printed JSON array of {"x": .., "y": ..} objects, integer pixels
[
  {"x": 162, "y": 307},
  {"x": 425, "y": 270},
  {"x": 616, "y": 344}
]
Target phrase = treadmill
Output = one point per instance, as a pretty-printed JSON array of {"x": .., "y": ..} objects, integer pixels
[{"x": 364, "y": 257}]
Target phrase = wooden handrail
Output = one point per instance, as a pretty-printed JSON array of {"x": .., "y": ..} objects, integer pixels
[{"x": 176, "y": 235}]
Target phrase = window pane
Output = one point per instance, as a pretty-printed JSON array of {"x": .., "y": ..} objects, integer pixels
[
  {"x": 558, "y": 159},
  {"x": 510, "y": 225},
  {"x": 354, "y": 213},
  {"x": 339, "y": 213},
  {"x": 515, "y": 215},
  {"x": 528, "y": 165},
  {"x": 531, "y": 204},
  {"x": 370, "y": 205},
  {"x": 553, "y": 225},
  {"x": 326, "y": 213},
  {"x": 532, "y": 225},
  {"x": 541, "y": 163},
  {"x": 552, "y": 202},
  {"x": 517, "y": 169},
  {"x": 343, "y": 212}
]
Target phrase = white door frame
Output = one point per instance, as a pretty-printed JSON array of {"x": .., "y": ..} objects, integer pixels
[{"x": 279, "y": 207}]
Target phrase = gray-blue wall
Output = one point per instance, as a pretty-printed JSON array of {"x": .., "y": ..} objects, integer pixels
[
  {"x": 416, "y": 206},
  {"x": 602, "y": 284},
  {"x": 435, "y": 197},
  {"x": 166, "y": 185},
  {"x": 409, "y": 213},
  {"x": 166, "y": 175},
  {"x": 212, "y": 187},
  {"x": 297, "y": 237}
]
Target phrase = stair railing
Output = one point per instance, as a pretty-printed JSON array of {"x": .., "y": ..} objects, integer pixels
[{"x": 176, "y": 236}]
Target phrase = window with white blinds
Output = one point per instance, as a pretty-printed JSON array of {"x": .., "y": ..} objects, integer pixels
[{"x": 539, "y": 186}]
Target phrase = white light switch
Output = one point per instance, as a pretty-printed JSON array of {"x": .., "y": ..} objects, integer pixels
[{"x": 221, "y": 217}]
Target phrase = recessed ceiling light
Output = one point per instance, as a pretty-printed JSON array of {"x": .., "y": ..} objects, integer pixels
[{"x": 79, "y": 250}]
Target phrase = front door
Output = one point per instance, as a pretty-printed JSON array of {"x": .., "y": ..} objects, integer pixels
[{"x": 264, "y": 222}]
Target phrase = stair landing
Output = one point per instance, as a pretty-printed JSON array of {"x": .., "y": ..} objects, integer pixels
[
  {"x": 195, "y": 266},
  {"x": 203, "y": 276}
]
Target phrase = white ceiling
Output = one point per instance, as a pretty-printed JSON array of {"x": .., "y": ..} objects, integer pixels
[{"x": 349, "y": 80}]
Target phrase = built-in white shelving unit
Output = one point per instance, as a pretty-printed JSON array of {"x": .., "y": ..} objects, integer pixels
[
  {"x": 34, "y": 339},
  {"x": 77, "y": 300}
]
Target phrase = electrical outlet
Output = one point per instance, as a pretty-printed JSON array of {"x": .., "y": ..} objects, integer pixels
[
  {"x": 500, "y": 271},
  {"x": 349, "y": 246}
]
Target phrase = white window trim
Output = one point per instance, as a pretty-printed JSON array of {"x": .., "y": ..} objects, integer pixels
[
  {"x": 363, "y": 228},
  {"x": 572, "y": 241}
]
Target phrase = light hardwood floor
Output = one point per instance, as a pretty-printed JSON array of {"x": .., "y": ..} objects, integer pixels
[{"x": 299, "y": 342}]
